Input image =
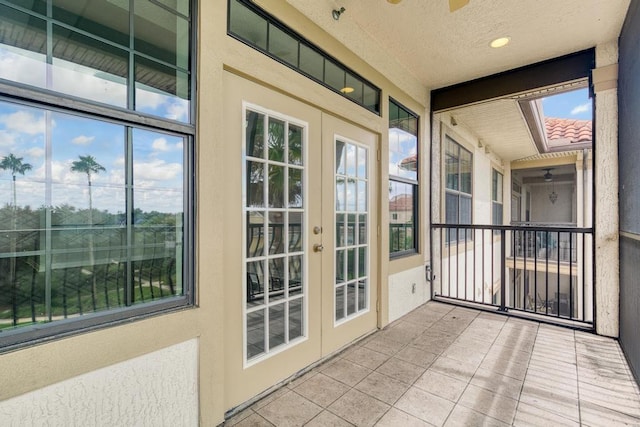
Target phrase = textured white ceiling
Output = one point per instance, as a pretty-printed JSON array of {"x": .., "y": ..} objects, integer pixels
[{"x": 420, "y": 45}]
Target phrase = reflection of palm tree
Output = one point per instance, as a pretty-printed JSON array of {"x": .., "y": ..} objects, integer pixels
[
  {"x": 87, "y": 164},
  {"x": 15, "y": 165}
]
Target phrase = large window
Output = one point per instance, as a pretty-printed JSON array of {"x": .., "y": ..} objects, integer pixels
[
  {"x": 263, "y": 32},
  {"x": 458, "y": 168},
  {"x": 95, "y": 160},
  {"x": 496, "y": 197},
  {"x": 403, "y": 180}
]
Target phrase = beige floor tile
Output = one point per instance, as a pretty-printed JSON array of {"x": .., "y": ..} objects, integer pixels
[
  {"x": 269, "y": 398},
  {"x": 290, "y": 409},
  {"x": 346, "y": 372},
  {"x": 401, "y": 370},
  {"x": 454, "y": 368},
  {"x": 366, "y": 357},
  {"x": 384, "y": 345},
  {"x": 564, "y": 406},
  {"x": 394, "y": 418},
  {"x": 402, "y": 332},
  {"x": 505, "y": 367},
  {"x": 254, "y": 420},
  {"x": 464, "y": 353},
  {"x": 432, "y": 343},
  {"x": 382, "y": 387},
  {"x": 596, "y": 415},
  {"x": 489, "y": 403},
  {"x": 425, "y": 406},
  {"x": 499, "y": 384},
  {"x": 463, "y": 416},
  {"x": 527, "y": 415},
  {"x": 358, "y": 408},
  {"x": 321, "y": 389},
  {"x": 416, "y": 356},
  {"x": 441, "y": 385},
  {"x": 327, "y": 419}
]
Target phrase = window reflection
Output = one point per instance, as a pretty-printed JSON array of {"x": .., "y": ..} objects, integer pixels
[{"x": 65, "y": 216}]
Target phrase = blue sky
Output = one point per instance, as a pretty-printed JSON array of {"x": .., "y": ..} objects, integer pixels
[{"x": 569, "y": 105}]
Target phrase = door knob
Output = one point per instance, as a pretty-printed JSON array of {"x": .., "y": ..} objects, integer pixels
[
  {"x": 317, "y": 230},
  {"x": 318, "y": 247}
]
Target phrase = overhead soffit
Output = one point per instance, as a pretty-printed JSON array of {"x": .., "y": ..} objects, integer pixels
[{"x": 420, "y": 42}]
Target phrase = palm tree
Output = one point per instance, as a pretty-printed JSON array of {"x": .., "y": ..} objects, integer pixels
[
  {"x": 15, "y": 165},
  {"x": 87, "y": 164}
]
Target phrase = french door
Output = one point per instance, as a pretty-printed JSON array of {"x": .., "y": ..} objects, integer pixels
[{"x": 304, "y": 277}]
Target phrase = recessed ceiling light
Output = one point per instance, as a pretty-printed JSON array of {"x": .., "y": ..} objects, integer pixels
[
  {"x": 347, "y": 89},
  {"x": 500, "y": 42},
  {"x": 394, "y": 1}
]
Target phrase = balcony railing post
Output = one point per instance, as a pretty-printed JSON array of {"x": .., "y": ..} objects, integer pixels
[{"x": 503, "y": 270}]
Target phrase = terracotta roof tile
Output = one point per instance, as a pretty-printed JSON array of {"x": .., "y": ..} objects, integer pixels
[
  {"x": 401, "y": 202},
  {"x": 576, "y": 131}
]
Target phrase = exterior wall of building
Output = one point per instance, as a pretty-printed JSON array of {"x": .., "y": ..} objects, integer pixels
[
  {"x": 160, "y": 388},
  {"x": 194, "y": 344},
  {"x": 629, "y": 155}
]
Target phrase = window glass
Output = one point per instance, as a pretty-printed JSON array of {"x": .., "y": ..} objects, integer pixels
[
  {"x": 311, "y": 62},
  {"x": 247, "y": 25},
  {"x": 334, "y": 75},
  {"x": 23, "y": 47},
  {"x": 353, "y": 88},
  {"x": 106, "y": 19},
  {"x": 65, "y": 218},
  {"x": 161, "y": 90},
  {"x": 402, "y": 216},
  {"x": 283, "y": 46},
  {"x": 458, "y": 190},
  {"x": 100, "y": 77}
]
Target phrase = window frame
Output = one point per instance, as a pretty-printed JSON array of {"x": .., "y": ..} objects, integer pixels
[
  {"x": 49, "y": 100},
  {"x": 494, "y": 197},
  {"x": 415, "y": 185},
  {"x": 457, "y": 192}
]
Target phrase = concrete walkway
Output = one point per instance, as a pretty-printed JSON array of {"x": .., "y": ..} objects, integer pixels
[{"x": 452, "y": 366}]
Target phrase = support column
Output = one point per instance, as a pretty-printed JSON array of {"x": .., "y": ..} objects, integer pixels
[{"x": 607, "y": 262}]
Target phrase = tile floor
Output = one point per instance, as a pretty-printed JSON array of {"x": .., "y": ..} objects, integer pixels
[{"x": 442, "y": 365}]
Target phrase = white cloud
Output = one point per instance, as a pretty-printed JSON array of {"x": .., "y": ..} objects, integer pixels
[
  {"x": 24, "y": 122},
  {"x": 36, "y": 152},
  {"x": 582, "y": 108},
  {"x": 160, "y": 144},
  {"x": 83, "y": 140},
  {"x": 155, "y": 170}
]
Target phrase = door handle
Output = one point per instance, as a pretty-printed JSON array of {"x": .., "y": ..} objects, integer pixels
[{"x": 318, "y": 247}]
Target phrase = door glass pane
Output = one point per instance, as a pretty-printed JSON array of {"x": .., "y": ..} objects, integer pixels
[
  {"x": 362, "y": 295},
  {"x": 340, "y": 266},
  {"x": 295, "y": 275},
  {"x": 362, "y": 229},
  {"x": 255, "y": 283},
  {"x": 255, "y": 333},
  {"x": 295, "y": 145},
  {"x": 255, "y": 190},
  {"x": 276, "y": 232},
  {"x": 295, "y": 188},
  {"x": 351, "y": 298},
  {"x": 255, "y": 134},
  {"x": 276, "y": 325},
  {"x": 351, "y": 229},
  {"x": 276, "y": 140},
  {"x": 341, "y": 230},
  {"x": 255, "y": 234},
  {"x": 296, "y": 324},
  {"x": 276, "y": 186},
  {"x": 277, "y": 278},
  {"x": 296, "y": 228},
  {"x": 340, "y": 301}
]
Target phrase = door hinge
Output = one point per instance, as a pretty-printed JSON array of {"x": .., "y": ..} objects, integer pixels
[
  {"x": 378, "y": 305},
  {"x": 379, "y": 231},
  {"x": 378, "y": 154}
]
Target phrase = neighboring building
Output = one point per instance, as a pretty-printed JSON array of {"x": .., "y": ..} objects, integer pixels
[{"x": 201, "y": 199}]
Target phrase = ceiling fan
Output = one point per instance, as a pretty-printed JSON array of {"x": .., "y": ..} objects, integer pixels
[{"x": 453, "y": 4}]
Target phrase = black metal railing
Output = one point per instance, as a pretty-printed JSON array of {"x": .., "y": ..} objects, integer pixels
[{"x": 544, "y": 270}]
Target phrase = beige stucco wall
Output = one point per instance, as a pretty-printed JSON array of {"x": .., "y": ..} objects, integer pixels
[{"x": 156, "y": 389}]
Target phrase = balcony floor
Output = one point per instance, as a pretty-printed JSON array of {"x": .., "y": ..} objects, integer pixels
[{"x": 452, "y": 366}]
